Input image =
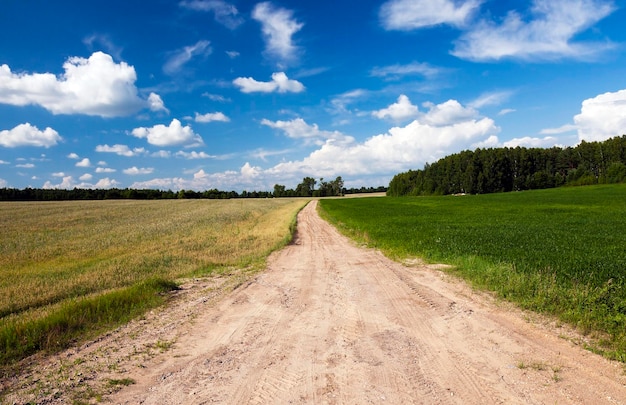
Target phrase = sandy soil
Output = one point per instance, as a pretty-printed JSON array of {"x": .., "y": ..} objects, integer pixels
[{"x": 332, "y": 323}]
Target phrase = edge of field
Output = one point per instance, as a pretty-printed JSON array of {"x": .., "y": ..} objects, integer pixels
[{"x": 90, "y": 367}]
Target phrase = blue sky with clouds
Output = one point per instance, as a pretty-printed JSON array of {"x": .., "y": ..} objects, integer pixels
[{"x": 240, "y": 95}]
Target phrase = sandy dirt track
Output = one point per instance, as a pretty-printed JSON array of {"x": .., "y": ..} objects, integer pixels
[
  {"x": 327, "y": 323},
  {"x": 332, "y": 323}
]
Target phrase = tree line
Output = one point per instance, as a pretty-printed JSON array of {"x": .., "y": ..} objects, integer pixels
[
  {"x": 496, "y": 170},
  {"x": 305, "y": 189}
]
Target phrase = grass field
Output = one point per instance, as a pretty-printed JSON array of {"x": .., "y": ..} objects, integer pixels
[
  {"x": 72, "y": 268},
  {"x": 559, "y": 251}
]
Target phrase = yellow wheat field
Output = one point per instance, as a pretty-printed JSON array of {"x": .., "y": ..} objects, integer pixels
[{"x": 52, "y": 251}]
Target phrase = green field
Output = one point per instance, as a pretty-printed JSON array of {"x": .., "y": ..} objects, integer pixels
[
  {"x": 71, "y": 269},
  {"x": 560, "y": 251}
]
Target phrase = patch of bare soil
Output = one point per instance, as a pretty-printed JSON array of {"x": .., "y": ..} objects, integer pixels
[{"x": 331, "y": 323}]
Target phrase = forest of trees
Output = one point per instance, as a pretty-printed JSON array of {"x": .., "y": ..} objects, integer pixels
[
  {"x": 514, "y": 169},
  {"x": 304, "y": 189}
]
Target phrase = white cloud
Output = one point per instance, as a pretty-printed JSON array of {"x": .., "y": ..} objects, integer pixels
[
  {"x": 194, "y": 155},
  {"x": 25, "y": 165},
  {"x": 396, "y": 72},
  {"x": 426, "y": 139},
  {"x": 156, "y": 103},
  {"x": 209, "y": 117},
  {"x": 174, "y": 134},
  {"x": 93, "y": 86},
  {"x": 506, "y": 111},
  {"x": 299, "y": 129},
  {"x": 415, "y": 14},
  {"x": 180, "y": 57},
  {"x": 559, "y": 130},
  {"x": 531, "y": 142},
  {"x": 217, "y": 97},
  {"x": 86, "y": 177},
  {"x": 399, "y": 111},
  {"x": 491, "y": 98},
  {"x": 105, "y": 170},
  {"x": 121, "y": 150},
  {"x": 249, "y": 172},
  {"x": 449, "y": 113},
  {"x": 232, "y": 54},
  {"x": 29, "y": 135},
  {"x": 278, "y": 26},
  {"x": 164, "y": 154},
  {"x": 84, "y": 163},
  {"x": 134, "y": 171},
  {"x": 549, "y": 35},
  {"x": 225, "y": 13},
  {"x": 340, "y": 102},
  {"x": 280, "y": 83},
  {"x": 73, "y": 156},
  {"x": 68, "y": 183},
  {"x": 106, "y": 183},
  {"x": 602, "y": 117}
]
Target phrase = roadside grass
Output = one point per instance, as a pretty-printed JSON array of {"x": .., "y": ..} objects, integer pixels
[
  {"x": 70, "y": 270},
  {"x": 560, "y": 251}
]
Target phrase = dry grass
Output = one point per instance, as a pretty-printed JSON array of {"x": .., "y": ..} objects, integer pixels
[{"x": 51, "y": 252}]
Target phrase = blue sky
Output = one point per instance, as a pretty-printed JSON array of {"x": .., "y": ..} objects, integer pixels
[{"x": 239, "y": 95}]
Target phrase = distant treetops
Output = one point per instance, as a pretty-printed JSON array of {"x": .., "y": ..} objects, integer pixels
[{"x": 496, "y": 170}]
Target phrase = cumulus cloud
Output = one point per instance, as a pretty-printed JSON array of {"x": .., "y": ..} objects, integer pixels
[
  {"x": 156, "y": 103},
  {"x": 299, "y": 129},
  {"x": 29, "y": 135},
  {"x": 121, "y": 150},
  {"x": 426, "y": 139},
  {"x": 134, "y": 171},
  {"x": 105, "y": 170},
  {"x": 193, "y": 155},
  {"x": 399, "y": 111},
  {"x": 84, "y": 163},
  {"x": 414, "y": 14},
  {"x": 550, "y": 34},
  {"x": 68, "y": 183},
  {"x": 280, "y": 83},
  {"x": 602, "y": 117},
  {"x": 278, "y": 27},
  {"x": 94, "y": 86},
  {"x": 209, "y": 117},
  {"x": 72, "y": 156},
  {"x": 174, "y": 134},
  {"x": 531, "y": 142},
  {"x": 179, "y": 58},
  {"x": 225, "y": 13},
  {"x": 444, "y": 129}
]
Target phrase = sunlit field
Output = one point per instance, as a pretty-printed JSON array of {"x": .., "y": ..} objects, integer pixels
[
  {"x": 560, "y": 251},
  {"x": 56, "y": 257}
]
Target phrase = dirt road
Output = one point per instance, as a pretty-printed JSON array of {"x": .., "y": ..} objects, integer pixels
[{"x": 331, "y": 323}]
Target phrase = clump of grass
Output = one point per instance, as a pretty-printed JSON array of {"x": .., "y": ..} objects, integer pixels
[
  {"x": 558, "y": 251},
  {"x": 78, "y": 317}
]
